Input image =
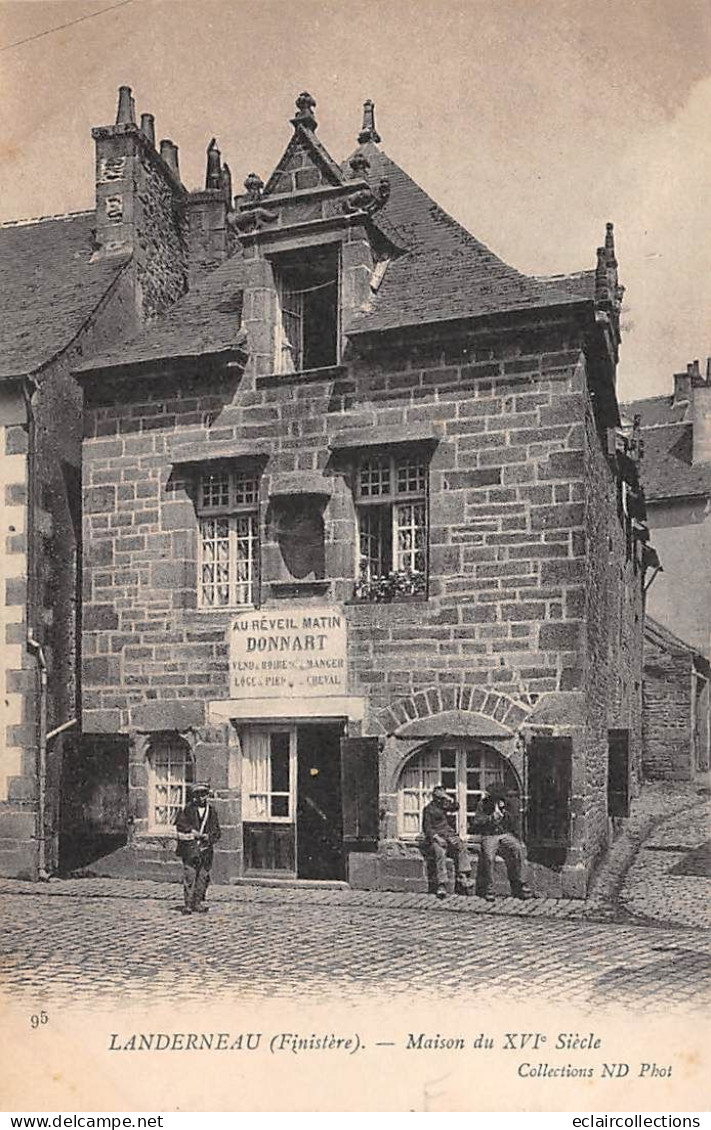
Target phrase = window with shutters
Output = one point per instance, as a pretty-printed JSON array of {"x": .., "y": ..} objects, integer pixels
[
  {"x": 618, "y": 773},
  {"x": 307, "y": 324},
  {"x": 228, "y": 526},
  {"x": 465, "y": 768},
  {"x": 391, "y": 501},
  {"x": 170, "y": 771}
]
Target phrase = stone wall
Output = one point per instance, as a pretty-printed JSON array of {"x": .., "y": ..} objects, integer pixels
[
  {"x": 612, "y": 599},
  {"x": 160, "y": 248},
  {"x": 667, "y": 722},
  {"x": 506, "y": 520},
  {"x": 511, "y": 526},
  {"x": 17, "y": 674},
  {"x": 44, "y": 600}
]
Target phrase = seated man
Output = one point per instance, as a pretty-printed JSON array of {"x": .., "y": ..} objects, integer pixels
[
  {"x": 493, "y": 823},
  {"x": 441, "y": 840}
]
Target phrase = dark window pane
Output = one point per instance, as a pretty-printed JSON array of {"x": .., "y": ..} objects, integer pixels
[
  {"x": 280, "y": 763},
  {"x": 280, "y": 806}
]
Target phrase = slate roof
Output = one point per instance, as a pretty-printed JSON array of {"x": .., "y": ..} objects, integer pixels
[
  {"x": 442, "y": 273},
  {"x": 656, "y": 634},
  {"x": 206, "y": 320},
  {"x": 657, "y": 410},
  {"x": 667, "y": 470},
  {"x": 445, "y": 273},
  {"x": 48, "y": 288}
]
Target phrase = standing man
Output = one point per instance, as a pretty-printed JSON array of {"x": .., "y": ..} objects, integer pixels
[
  {"x": 493, "y": 823},
  {"x": 198, "y": 831},
  {"x": 442, "y": 840}
]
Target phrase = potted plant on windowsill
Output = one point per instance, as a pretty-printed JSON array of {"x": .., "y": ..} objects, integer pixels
[{"x": 397, "y": 585}]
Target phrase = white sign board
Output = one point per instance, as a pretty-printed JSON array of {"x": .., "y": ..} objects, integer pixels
[{"x": 296, "y": 651}]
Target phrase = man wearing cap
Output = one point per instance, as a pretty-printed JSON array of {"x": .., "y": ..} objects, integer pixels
[
  {"x": 492, "y": 821},
  {"x": 198, "y": 831},
  {"x": 442, "y": 840}
]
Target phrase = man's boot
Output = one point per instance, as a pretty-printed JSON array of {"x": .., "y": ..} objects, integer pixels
[
  {"x": 464, "y": 885},
  {"x": 441, "y": 891},
  {"x": 520, "y": 891}
]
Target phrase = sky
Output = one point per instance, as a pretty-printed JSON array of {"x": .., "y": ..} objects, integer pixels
[{"x": 532, "y": 122}]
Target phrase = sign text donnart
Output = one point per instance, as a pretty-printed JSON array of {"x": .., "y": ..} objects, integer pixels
[{"x": 299, "y": 651}]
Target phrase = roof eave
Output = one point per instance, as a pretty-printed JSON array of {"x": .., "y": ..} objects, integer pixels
[
  {"x": 161, "y": 365},
  {"x": 476, "y": 320}
]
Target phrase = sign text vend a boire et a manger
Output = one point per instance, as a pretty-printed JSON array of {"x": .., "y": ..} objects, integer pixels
[{"x": 296, "y": 651}]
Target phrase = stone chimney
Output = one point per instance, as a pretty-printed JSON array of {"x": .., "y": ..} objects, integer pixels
[
  {"x": 210, "y": 237},
  {"x": 682, "y": 384},
  {"x": 140, "y": 207},
  {"x": 701, "y": 414}
]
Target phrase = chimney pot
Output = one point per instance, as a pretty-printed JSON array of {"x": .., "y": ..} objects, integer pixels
[
  {"x": 169, "y": 153},
  {"x": 126, "y": 111},
  {"x": 682, "y": 387},
  {"x": 148, "y": 127},
  {"x": 226, "y": 183}
]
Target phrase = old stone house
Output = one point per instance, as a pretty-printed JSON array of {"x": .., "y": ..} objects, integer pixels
[
  {"x": 70, "y": 285},
  {"x": 676, "y": 475},
  {"x": 359, "y": 517}
]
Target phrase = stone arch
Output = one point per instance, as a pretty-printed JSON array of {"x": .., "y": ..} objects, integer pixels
[{"x": 493, "y": 705}]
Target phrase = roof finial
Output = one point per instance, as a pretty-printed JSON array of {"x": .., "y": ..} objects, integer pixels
[
  {"x": 368, "y": 132},
  {"x": 126, "y": 111},
  {"x": 212, "y": 174},
  {"x": 254, "y": 186},
  {"x": 602, "y": 291},
  {"x": 305, "y": 111},
  {"x": 610, "y": 245}
]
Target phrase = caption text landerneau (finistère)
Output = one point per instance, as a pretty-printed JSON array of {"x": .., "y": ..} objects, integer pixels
[{"x": 540, "y": 1052}]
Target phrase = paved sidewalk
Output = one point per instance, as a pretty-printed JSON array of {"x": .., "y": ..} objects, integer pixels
[
  {"x": 632, "y": 883},
  {"x": 344, "y": 898}
]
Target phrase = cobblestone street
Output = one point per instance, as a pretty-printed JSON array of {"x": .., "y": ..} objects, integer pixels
[
  {"x": 641, "y": 939},
  {"x": 261, "y": 943}
]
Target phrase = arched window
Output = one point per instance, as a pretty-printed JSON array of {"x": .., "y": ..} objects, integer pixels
[
  {"x": 466, "y": 768},
  {"x": 170, "y": 771}
]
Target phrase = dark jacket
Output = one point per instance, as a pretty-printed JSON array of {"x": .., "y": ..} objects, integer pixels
[
  {"x": 484, "y": 824},
  {"x": 194, "y": 851},
  {"x": 435, "y": 822}
]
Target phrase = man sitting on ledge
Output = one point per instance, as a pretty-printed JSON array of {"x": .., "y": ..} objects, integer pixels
[
  {"x": 493, "y": 823},
  {"x": 442, "y": 840}
]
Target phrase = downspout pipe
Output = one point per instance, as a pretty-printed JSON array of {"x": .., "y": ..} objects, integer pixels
[{"x": 41, "y": 760}]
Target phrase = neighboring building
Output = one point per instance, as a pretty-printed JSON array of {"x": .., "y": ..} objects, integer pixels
[
  {"x": 357, "y": 520},
  {"x": 70, "y": 285},
  {"x": 676, "y": 724},
  {"x": 676, "y": 475}
]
